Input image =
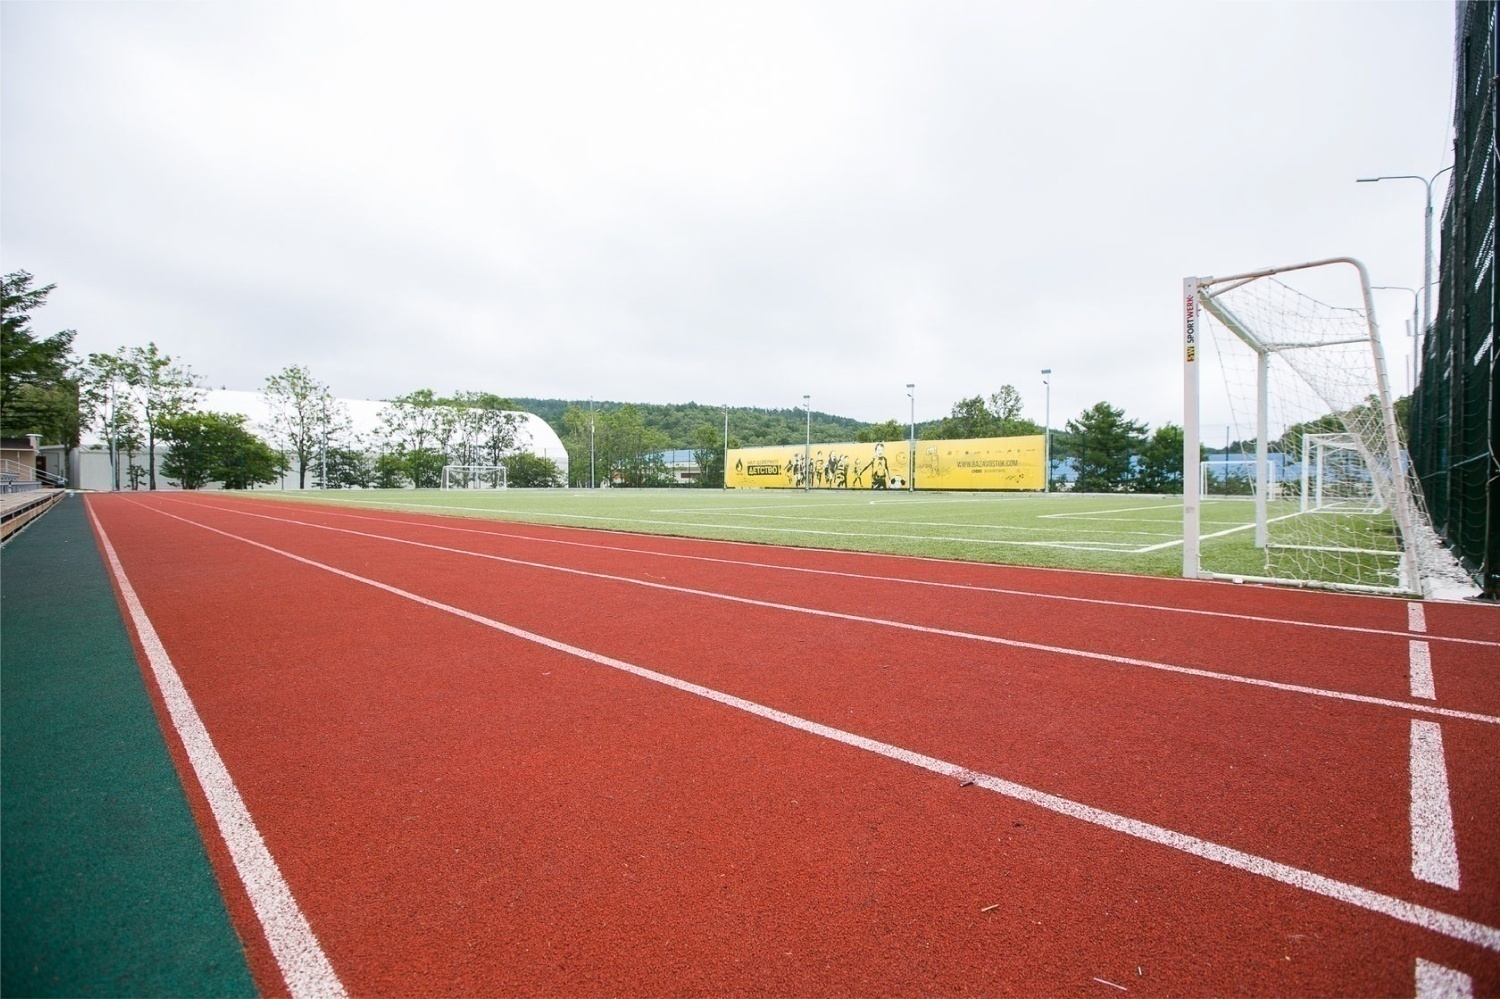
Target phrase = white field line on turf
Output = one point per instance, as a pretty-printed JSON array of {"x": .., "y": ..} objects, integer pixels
[
  {"x": 1434, "y": 850},
  {"x": 884, "y": 622},
  {"x": 1421, "y": 671},
  {"x": 1216, "y": 534},
  {"x": 334, "y": 511},
  {"x": 1155, "y": 508},
  {"x": 1098, "y": 546},
  {"x": 934, "y": 523},
  {"x": 293, "y": 943},
  {"x": 1449, "y": 925},
  {"x": 1437, "y": 982}
]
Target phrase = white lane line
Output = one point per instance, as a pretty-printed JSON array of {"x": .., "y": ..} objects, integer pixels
[
  {"x": 1421, "y": 671},
  {"x": 303, "y": 964},
  {"x": 1437, "y": 982},
  {"x": 1411, "y": 913},
  {"x": 882, "y": 622},
  {"x": 1434, "y": 851},
  {"x": 328, "y": 510},
  {"x": 1416, "y": 618}
]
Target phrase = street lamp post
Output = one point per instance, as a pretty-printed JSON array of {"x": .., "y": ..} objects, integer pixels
[
  {"x": 1047, "y": 440},
  {"x": 1427, "y": 242},
  {"x": 911, "y": 447},
  {"x": 807, "y": 448}
]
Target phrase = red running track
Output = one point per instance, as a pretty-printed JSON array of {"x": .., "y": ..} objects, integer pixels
[{"x": 873, "y": 774}]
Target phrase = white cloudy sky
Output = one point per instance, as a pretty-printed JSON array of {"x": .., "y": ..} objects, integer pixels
[{"x": 720, "y": 202}]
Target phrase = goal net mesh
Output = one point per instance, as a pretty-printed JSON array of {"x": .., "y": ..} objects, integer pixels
[
  {"x": 474, "y": 477},
  {"x": 1335, "y": 484}
]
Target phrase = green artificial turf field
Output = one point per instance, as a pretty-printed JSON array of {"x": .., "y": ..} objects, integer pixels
[{"x": 1124, "y": 533}]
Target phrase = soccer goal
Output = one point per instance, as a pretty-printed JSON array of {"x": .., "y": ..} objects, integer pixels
[
  {"x": 1295, "y": 365},
  {"x": 474, "y": 477}
]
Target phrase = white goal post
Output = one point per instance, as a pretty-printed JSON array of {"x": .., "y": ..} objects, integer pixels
[
  {"x": 474, "y": 477},
  {"x": 1312, "y": 378}
]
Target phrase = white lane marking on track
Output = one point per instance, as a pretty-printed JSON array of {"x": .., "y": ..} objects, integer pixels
[
  {"x": 329, "y": 510},
  {"x": 1434, "y": 850},
  {"x": 886, "y": 623},
  {"x": 1416, "y": 618},
  {"x": 1421, "y": 671},
  {"x": 1447, "y": 924},
  {"x": 1437, "y": 982},
  {"x": 303, "y": 964}
]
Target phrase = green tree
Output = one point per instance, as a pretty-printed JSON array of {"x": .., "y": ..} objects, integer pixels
[
  {"x": 37, "y": 393},
  {"x": 525, "y": 470},
  {"x": 424, "y": 466},
  {"x": 890, "y": 430},
  {"x": 1160, "y": 469},
  {"x": 160, "y": 390},
  {"x": 344, "y": 467},
  {"x": 107, "y": 407},
  {"x": 577, "y": 430},
  {"x": 390, "y": 471},
  {"x": 633, "y": 450},
  {"x": 1103, "y": 442},
  {"x": 998, "y": 416},
  {"x": 625, "y": 450},
  {"x": 305, "y": 417},
  {"x": 216, "y": 447},
  {"x": 487, "y": 428},
  {"x": 708, "y": 452}
]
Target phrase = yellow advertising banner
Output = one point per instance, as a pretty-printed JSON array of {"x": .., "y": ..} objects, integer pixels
[{"x": 984, "y": 463}]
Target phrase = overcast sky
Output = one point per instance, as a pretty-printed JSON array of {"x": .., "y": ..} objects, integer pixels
[{"x": 717, "y": 202}]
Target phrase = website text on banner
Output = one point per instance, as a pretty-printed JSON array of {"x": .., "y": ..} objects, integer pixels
[{"x": 982, "y": 463}]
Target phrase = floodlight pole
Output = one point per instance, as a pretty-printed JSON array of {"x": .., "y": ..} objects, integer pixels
[
  {"x": 807, "y": 448},
  {"x": 1412, "y": 331},
  {"x": 726, "y": 445},
  {"x": 1047, "y": 440},
  {"x": 911, "y": 448},
  {"x": 591, "y": 442},
  {"x": 1427, "y": 242},
  {"x": 114, "y": 451}
]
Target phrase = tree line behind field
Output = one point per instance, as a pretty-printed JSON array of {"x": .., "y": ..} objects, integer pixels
[{"x": 139, "y": 400}]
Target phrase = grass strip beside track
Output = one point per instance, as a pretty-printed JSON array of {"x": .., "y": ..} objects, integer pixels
[{"x": 107, "y": 889}]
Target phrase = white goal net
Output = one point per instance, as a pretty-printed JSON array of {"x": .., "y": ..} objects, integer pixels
[
  {"x": 1288, "y": 362},
  {"x": 474, "y": 477}
]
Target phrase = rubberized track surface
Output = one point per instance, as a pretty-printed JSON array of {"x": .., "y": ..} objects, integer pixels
[{"x": 502, "y": 758}]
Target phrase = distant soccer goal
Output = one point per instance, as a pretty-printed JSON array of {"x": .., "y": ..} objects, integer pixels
[
  {"x": 1305, "y": 381},
  {"x": 474, "y": 477}
]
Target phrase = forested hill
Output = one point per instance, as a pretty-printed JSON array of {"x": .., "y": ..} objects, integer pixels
[{"x": 749, "y": 426}]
